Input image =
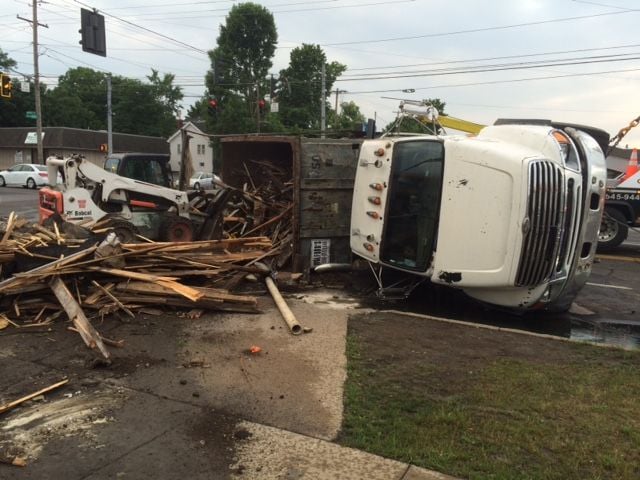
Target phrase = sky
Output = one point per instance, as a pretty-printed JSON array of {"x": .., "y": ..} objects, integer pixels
[{"x": 567, "y": 60}]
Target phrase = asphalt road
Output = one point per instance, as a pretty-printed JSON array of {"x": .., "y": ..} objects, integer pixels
[{"x": 19, "y": 200}]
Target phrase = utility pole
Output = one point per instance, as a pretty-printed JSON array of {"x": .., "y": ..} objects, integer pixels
[
  {"x": 323, "y": 94},
  {"x": 257, "y": 104},
  {"x": 36, "y": 78},
  {"x": 109, "y": 112}
]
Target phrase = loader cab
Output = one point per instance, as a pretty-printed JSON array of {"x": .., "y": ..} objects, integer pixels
[{"x": 146, "y": 167}]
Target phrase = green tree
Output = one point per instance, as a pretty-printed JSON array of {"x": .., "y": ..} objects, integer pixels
[
  {"x": 242, "y": 58},
  {"x": 6, "y": 62},
  {"x": 301, "y": 87},
  {"x": 349, "y": 118},
  {"x": 80, "y": 101}
]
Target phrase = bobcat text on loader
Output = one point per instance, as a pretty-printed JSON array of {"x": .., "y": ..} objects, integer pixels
[
  {"x": 127, "y": 205},
  {"x": 509, "y": 215}
]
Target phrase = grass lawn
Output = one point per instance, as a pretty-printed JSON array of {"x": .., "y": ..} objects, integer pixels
[{"x": 483, "y": 404}]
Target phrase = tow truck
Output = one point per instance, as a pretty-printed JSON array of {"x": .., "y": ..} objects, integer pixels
[
  {"x": 510, "y": 215},
  {"x": 622, "y": 211},
  {"x": 622, "y": 207}
]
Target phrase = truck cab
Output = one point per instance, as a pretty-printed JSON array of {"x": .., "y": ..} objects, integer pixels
[{"x": 510, "y": 215}]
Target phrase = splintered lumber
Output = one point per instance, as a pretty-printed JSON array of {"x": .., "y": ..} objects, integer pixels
[
  {"x": 8, "y": 406},
  {"x": 211, "y": 294},
  {"x": 89, "y": 334},
  {"x": 115, "y": 300},
  {"x": 47, "y": 269},
  {"x": 169, "y": 282},
  {"x": 11, "y": 223}
]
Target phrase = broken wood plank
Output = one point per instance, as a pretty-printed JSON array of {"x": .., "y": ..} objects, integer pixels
[
  {"x": 8, "y": 406},
  {"x": 47, "y": 269},
  {"x": 11, "y": 222},
  {"x": 206, "y": 293},
  {"x": 89, "y": 335},
  {"x": 112, "y": 297},
  {"x": 169, "y": 282}
]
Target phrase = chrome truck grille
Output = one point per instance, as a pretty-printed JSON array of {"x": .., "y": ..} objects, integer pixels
[{"x": 545, "y": 226}]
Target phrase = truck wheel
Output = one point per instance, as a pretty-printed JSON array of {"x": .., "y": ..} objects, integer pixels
[
  {"x": 2, "y": 182},
  {"x": 613, "y": 229}
]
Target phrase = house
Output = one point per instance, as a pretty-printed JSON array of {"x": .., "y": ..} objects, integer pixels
[
  {"x": 18, "y": 145},
  {"x": 199, "y": 145}
]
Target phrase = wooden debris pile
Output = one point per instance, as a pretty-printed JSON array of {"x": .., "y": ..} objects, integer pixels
[
  {"x": 263, "y": 207},
  {"x": 98, "y": 276}
]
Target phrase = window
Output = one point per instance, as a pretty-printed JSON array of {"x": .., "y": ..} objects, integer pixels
[
  {"x": 179, "y": 147},
  {"x": 413, "y": 204},
  {"x": 202, "y": 165},
  {"x": 200, "y": 149}
]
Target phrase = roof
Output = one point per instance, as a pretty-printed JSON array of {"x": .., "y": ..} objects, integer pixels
[
  {"x": 82, "y": 140},
  {"x": 189, "y": 126}
]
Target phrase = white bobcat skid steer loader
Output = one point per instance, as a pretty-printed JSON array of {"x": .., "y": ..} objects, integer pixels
[{"x": 129, "y": 206}]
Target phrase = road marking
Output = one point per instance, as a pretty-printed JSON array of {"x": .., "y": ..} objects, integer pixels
[{"x": 608, "y": 286}]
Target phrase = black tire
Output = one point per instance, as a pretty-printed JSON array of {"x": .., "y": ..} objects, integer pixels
[
  {"x": 196, "y": 186},
  {"x": 31, "y": 184},
  {"x": 125, "y": 231},
  {"x": 2, "y": 182},
  {"x": 177, "y": 229},
  {"x": 613, "y": 230}
]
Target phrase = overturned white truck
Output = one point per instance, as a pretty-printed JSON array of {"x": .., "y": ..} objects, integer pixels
[{"x": 510, "y": 215}]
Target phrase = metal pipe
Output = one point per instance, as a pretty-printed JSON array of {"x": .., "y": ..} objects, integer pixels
[
  {"x": 333, "y": 267},
  {"x": 285, "y": 311}
]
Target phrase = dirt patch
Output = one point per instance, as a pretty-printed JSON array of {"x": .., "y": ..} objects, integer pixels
[{"x": 400, "y": 346}]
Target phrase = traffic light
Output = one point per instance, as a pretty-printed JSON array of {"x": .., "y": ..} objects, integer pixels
[
  {"x": 262, "y": 106},
  {"x": 212, "y": 107},
  {"x": 93, "y": 32},
  {"x": 219, "y": 66},
  {"x": 5, "y": 86}
]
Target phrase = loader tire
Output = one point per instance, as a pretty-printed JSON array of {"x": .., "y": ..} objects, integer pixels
[
  {"x": 177, "y": 229},
  {"x": 125, "y": 231}
]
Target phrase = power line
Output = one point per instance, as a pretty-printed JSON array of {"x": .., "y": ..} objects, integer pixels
[
  {"x": 496, "y": 82},
  {"x": 494, "y": 68},
  {"x": 477, "y": 30},
  {"x": 524, "y": 55}
]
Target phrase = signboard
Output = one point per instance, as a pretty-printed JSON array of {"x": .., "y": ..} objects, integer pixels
[
  {"x": 25, "y": 86},
  {"x": 32, "y": 138},
  {"x": 274, "y": 107},
  {"x": 31, "y": 115}
]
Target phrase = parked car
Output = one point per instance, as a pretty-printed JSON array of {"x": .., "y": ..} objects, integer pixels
[
  {"x": 29, "y": 175},
  {"x": 203, "y": 181}
]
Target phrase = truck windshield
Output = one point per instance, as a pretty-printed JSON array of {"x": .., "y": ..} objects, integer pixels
[{"x": 413, "y": 204}]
